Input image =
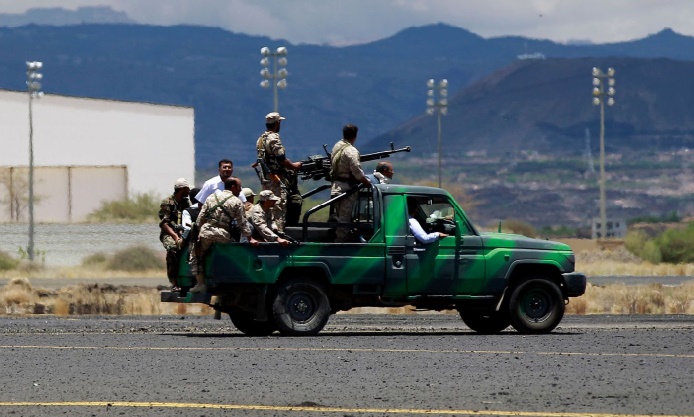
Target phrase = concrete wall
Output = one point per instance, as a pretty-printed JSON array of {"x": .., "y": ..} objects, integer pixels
[{"x": 155, "y": 143}]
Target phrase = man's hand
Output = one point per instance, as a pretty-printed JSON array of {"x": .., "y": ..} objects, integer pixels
[
  {"x": 442, "y": 235},
  {"x": 179, "y": 243},
  {"x": 283, "y": 242},
  {"x": 252, "y": 241}
]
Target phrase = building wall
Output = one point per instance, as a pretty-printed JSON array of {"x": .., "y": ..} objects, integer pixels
[{"x": 155, "y": 143}]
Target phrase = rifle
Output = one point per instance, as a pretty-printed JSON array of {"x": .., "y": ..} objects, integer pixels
[
  {"x": 316, "y": 167},
  {"x": 285, "y": 236}
]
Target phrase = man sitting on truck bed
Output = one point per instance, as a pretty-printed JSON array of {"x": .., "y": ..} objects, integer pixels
[
  {"x": 261, "y": 216},
  {"x": 214, "y": 222}
]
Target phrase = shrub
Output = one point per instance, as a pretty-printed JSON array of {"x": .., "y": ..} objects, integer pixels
[
  {"x": 677, "y": 245},
  {"x": 7, "y": 262},
  {"x": 135, "y": 258},
  {"x": 142, "y": 208},
  {"x": 634, "y": 242},
  {"x": 97, "y": 258}
]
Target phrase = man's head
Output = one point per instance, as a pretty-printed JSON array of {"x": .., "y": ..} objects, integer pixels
[
  {"x": 385, "y": 168},
  {"x": 249, "y": 194},
  {"x": 181, "y": 188},
  {"x": 226, "y": 168},
  {"x": 349, "y": 132},
  {"x": 233, "y": 184},
  {"x": 193, "y": 192},
  {"x": 272, "y": 121},
  {"x": 267, "y": 198}
]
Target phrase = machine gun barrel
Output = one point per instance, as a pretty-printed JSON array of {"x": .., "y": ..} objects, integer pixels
[{"x": 316, "y": 167}]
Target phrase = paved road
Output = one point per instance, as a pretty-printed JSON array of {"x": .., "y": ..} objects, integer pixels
[{"x": 361, "y": 365}]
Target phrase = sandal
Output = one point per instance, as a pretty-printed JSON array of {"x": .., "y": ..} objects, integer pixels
[{"x": 175, "y": 288}]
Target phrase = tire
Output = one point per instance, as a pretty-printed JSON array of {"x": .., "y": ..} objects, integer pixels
[
  {"x": 485, "y": 322},
  {"x": 300, "y": 308},
  {"x": 248, "y": 325},
  {"x": 536, "y": 306}
]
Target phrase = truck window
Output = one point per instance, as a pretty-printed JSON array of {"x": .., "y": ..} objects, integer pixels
[{"x": 437, "y": 214}]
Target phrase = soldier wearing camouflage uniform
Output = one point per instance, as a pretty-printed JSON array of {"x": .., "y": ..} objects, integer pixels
[
  {"x": 275, "y": 165},
  {"x": 345, "y": 173},
  {"x": 170, "y": 212},
  {"x": 260, "y": 216},
  {"x": 216, "y": 217}
]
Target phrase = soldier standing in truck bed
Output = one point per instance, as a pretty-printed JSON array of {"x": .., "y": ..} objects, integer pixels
[
  {"x": 276, "y": 166},
  {"x": 345, "y": 173}
]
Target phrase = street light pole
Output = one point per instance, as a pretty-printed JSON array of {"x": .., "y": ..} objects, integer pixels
[
  {"x": 279, "y": 73},
  {"x": 33, "y": 88},
  {"x": 439, "y": 107},
  {"x": 599, "y": 94}
]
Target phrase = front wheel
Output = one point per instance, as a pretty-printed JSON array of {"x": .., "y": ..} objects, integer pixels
[
  {"x": 485, "y": 322},
  {"x": 536, "y": 306},
  {"x": 300, "y": 308}
]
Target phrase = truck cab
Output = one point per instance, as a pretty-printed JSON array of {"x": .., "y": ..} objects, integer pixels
[{"x": 493, "y": 280}]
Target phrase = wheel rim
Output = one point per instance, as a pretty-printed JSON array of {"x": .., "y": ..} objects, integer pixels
[
  {"x": 301, "y": 306},
  {"x": 537, "y": 306}
]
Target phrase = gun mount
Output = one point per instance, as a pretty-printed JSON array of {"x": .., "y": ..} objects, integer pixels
[{"x": 317, "y": 167}]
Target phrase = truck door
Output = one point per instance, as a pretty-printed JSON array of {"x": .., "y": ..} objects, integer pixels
[{"x": 447, "y": 266}]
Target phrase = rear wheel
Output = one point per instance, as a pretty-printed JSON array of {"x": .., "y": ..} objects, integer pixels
[
  {"x": 485, "y": 322},
  {"x": 300, "y": 308},
  {"x": 248, "y": 325},
  {"x": 536, "y": 306}
]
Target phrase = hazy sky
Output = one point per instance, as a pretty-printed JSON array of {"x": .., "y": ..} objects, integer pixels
[{"x": 341, "y": 22}]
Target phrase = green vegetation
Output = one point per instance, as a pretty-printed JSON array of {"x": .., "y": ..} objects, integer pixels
[
  {"x": 135, "y": 258},
  {"x": 671, "y": 246},
  {"x": 671, "y": 217},
  {"x": 7, "y": 262},
  {"x": 558, "y": 231},
  {"x": 518, "y": 227},
  {"x": 142, "y": 208}
]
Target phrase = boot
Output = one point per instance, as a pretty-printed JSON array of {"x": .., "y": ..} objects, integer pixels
[{"x": 200, "y": 285}]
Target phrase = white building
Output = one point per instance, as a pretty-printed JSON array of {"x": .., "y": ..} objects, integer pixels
[{"x": 87, "y": 151}]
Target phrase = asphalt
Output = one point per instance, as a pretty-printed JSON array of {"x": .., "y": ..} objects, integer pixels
[{"x": 361, "y": 365}]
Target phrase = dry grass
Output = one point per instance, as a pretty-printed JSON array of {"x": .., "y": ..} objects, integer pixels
[
  {"x": 69, "y": 272},
  {"x": 20, "y": 297},
  {"x": 634, "y": 299}
]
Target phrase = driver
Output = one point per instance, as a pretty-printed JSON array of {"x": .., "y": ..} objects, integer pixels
[{"x": 417, "y": 229}]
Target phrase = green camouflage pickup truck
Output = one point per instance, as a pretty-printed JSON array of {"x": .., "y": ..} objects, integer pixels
[{"x": 492, "y": 279}]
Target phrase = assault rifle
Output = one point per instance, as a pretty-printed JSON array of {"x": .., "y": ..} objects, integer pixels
[{"x": 316, "y": 167}]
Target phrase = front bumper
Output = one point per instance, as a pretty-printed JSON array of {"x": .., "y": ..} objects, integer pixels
[{"x": 575, "y": 283}]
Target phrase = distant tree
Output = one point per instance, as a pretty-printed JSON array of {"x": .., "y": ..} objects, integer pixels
[{"x": 16, "y": 195}]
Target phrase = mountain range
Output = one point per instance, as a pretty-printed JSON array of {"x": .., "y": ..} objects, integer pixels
[
  {"x": 521, "y": 135},
  {"x": 379, "y": 86}
]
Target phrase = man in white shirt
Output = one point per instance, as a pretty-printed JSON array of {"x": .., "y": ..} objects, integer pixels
[
  {"x": 419, "y": 233},
  {"x": 216, "y": 184}
]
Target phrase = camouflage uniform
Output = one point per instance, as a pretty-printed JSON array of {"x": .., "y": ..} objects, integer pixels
[
  {"x": 170, "y": 213},
  {"x": 261, "y": 221},
  {"x": 347, "y": 171},
  {"x": 215, "y": 220},
  {"x": 269, "y": 148}
]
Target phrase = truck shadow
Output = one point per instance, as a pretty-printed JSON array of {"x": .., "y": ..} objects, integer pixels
[{"x": 413, "y": 333}]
